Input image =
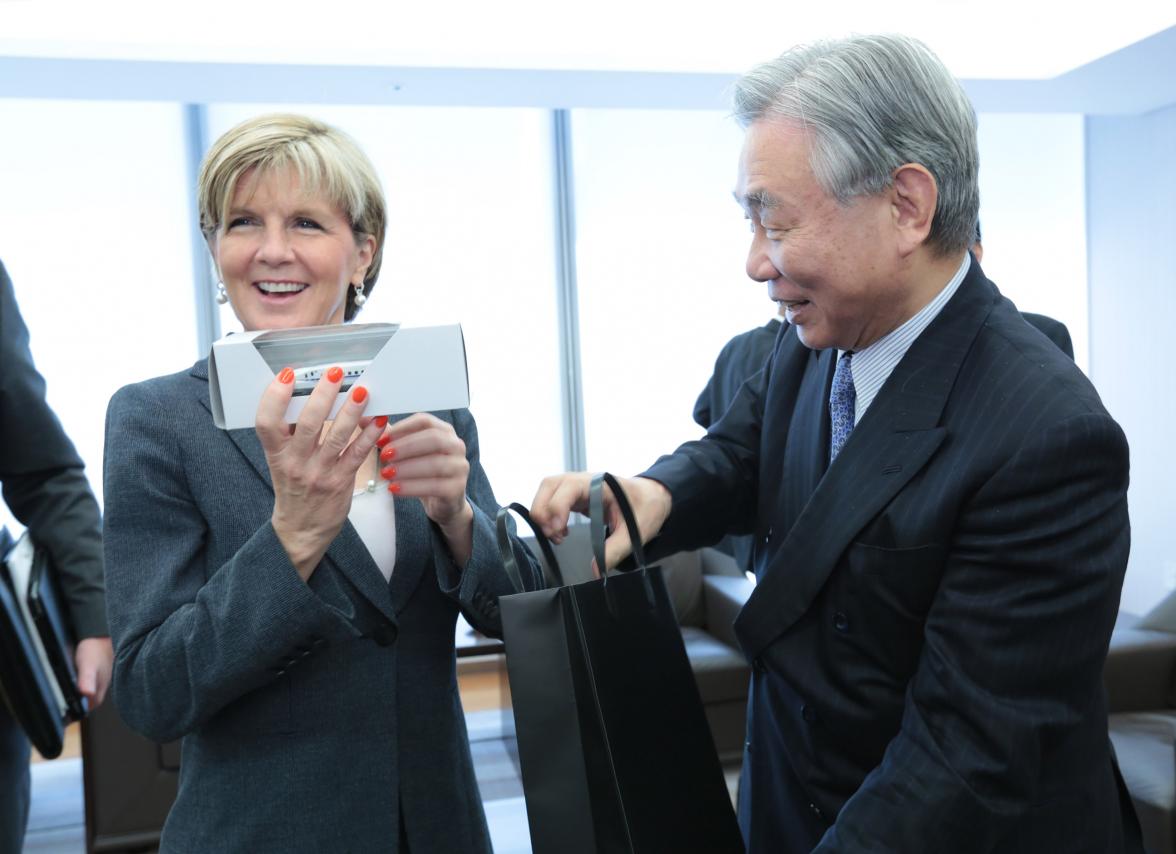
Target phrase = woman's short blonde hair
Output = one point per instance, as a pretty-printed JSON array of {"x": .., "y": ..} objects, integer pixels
[{"x": 328, "y": 162}]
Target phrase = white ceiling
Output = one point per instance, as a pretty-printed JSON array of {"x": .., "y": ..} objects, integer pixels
[{"x": 996, "y": 39}]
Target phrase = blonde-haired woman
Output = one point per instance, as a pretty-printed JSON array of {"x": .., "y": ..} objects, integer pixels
[{"x": 292, "y": 621}]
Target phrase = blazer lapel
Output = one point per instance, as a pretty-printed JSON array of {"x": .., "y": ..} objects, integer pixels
[
  {"x": 806, "y": 451},
  {"x": 347, "y": 552},
  {"x": 894, "y": 440}
]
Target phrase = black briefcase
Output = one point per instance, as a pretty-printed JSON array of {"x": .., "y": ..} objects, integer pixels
[
  {"x": 615, "y": 751},
  {"x": 37, "y": 676}
]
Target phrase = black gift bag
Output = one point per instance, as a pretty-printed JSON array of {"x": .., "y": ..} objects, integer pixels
[{"x": 615, "y": 749}]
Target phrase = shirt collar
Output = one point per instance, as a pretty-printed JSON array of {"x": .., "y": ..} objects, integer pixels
[{"x": 873, "y": 365}]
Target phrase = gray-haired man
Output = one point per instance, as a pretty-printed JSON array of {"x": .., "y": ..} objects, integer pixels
[{"x": 938, "y": 495}]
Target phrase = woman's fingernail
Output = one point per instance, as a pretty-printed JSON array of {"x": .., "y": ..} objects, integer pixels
[
  {"x": 286, "y": 376},
  {"x": 388, "y": 454},
  {"x": 388, "y": 473},
  {"x": 381, "y": 422},
  {"x": 383, "y": 440},
  {"x": 394, "y": 488},
  {"x": 335, "y": 374},
  {"x": 359, "y": 394}
]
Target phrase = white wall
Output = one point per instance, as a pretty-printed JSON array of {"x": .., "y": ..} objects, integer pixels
[
  {"x": 1131, "y": 191},
  {"x": 1033, "y": 214}
]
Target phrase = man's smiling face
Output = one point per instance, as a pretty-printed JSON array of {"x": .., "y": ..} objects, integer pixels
[{"x": 834, "y": 267}]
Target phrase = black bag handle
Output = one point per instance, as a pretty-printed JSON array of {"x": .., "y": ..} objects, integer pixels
[
  {"x": 596, "y": 517},
  {"x": 506, "y": 551}
]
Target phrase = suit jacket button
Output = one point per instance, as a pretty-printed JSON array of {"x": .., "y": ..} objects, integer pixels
[
  {"x": 841, "y": 622},
  {"x": 384, "y": 635},
  {"x": 758, "y": 666},
  {"x": 808, "y": 713},
  {"x": 816, "y": 810}
]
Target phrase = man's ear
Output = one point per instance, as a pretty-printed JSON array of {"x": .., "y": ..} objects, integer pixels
[{"x": 914, "y": 197}]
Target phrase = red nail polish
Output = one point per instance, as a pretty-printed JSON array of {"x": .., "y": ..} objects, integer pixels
[
  {"x": 388, "y": 454},
  {"x": 388, "y": 473},
  {"x": 383, "y": 440},
  {"x": 359, "y": 394},
  {"x": 335, "y": 374},
  {"x": 382, "y": 422},
  {"x": 286, "y": 376},
  {"x": 394, "y": 488}
]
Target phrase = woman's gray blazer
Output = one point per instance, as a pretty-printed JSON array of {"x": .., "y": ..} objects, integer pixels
[{"x": 313, "y": 714}]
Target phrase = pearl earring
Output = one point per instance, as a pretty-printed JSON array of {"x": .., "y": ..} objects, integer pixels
[
  {"x": 222, "y": 295},
  {"x": 360, "y": 299}
]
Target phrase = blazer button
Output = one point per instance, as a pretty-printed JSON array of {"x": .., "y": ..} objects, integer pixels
[
  {"x": 816, "y": 810},
  {"x": 808, "y": 713},
  {"x": 384, "y": 635},
  {"x": 758, "y": 666},
  {"x": 841, "y": 622}
]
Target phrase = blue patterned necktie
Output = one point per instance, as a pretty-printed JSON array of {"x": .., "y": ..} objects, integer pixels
[{"x": 842, "y": 402}]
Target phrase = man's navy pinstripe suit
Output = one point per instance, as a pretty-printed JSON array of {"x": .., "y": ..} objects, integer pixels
[{"x": 933, "y": 611}]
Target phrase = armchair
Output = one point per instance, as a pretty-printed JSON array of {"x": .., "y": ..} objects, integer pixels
[{"x": 1140, "y": 678}]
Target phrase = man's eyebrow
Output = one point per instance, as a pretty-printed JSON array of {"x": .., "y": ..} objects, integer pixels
[{"x": 757, "y": 200}]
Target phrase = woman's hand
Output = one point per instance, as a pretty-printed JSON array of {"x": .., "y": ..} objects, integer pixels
[
  {"x": 423, "y": 457},
  {"x": 313, "y": 473}
]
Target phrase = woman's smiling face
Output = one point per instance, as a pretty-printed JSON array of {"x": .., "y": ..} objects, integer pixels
[{"x": 287, "y": 257}]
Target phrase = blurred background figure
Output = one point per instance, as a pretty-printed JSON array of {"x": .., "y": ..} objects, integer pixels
[
  {"x": 740, "y": 358},
  {"x": 45, "y": 488}
]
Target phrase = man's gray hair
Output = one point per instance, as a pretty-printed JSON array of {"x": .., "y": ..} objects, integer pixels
[{"x": 873, "y": 104}]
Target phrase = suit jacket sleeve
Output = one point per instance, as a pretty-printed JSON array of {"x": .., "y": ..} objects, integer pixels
[
  {"x": 191, "y": 638},
  {"x": 478, "y": 584},
  {"x": 1014, "y": 649},
  {"x": 45, "y": 484}
]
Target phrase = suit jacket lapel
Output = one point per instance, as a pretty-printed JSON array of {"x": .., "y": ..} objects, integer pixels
[
  {"x": 806, "y": 451},
  {"x": 893, "y": 441},
  {"x": 348, "y": 553}
]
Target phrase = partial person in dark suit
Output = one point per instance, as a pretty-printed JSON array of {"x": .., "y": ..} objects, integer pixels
[
  {"x": 45, "y": 487},
  {"x": 1054, "y": 330},
  {"x": 272, "y": 603},
  {"x": 739, "y": 359},
  {"x": 937, "y": 493}
]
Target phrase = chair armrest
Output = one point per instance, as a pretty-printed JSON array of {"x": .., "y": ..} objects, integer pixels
[
  {"x": 715, "y": 562},
  {"x": 723, "y": 597},
  {"x": 1139, "y": 670}
]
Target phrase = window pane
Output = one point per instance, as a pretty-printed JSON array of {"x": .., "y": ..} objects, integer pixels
[
  {"x": 94, "y": 231},
  {"x": 661, "y": 248},
  {"x": 470, "y": 240}
]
